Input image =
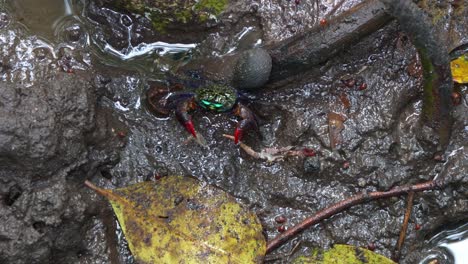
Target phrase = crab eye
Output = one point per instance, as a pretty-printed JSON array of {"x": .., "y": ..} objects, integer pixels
[{"x": 218, "y": 105}]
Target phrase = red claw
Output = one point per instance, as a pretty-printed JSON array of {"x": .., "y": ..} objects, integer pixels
[
  {"x": 190, "y": 128},
  {"x": 237, "y": 135},
  {"x": 247, "y": 122}
]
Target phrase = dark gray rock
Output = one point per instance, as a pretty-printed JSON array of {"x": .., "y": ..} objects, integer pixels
[
  {"x": 312, "y": 164},
  {"x": 43, "y": 127},
  {"x": 48, "y": 145}
]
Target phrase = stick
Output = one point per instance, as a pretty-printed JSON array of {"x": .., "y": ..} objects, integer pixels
[
  {"x": 361, "y": 198},
  {"x": 404, "y": 227}
]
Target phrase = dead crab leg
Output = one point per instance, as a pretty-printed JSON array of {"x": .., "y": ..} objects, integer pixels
[{"x": 275, "y": 154}]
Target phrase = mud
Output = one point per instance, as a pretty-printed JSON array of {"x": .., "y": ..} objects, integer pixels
[
  {"x": 46, "y": 152},
  {"x": 86, "y": 120}
]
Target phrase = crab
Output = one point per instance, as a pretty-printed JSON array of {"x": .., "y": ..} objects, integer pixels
[{"x": 215, "y": 97}]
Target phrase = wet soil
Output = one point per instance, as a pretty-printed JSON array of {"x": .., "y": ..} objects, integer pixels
[{"x": 76, "y": 114}]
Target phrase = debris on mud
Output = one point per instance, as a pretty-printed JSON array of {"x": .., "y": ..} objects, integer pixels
[{"x": 60, "y": 128}]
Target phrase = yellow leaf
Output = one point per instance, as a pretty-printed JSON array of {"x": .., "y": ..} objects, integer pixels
[
  {"x": 459, "y": 68},
  {"x": 343, "y": 254},
  {"x": 182, "y": 220}
]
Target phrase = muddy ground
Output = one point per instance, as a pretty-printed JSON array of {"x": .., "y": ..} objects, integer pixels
[{"x": 70, "y": 114}]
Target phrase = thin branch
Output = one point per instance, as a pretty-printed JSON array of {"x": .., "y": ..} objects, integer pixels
[
  {"x": 336, "y": 208},
  {"x": 334, "y": 9},
  {"x": 298, "y": 54},
  {"x": 94, "y": 188},
  {"x": 109, "y": 194},
  {"x": 404, "y": 227}
]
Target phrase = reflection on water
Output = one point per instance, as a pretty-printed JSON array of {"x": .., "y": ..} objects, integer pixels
[
  {"x": 121, "y": 40},
  {"x": 162, "y": 48},
  {"x": 42, "y": 16},
  {"x": 449, "y": 246},
  {"x": 53, "y": 20},
  {"x": 55, "y": 41},
  {"x": 62, "y": 37}
]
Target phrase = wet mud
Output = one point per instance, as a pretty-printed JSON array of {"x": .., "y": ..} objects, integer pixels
[{"x": 84, "y": 117}]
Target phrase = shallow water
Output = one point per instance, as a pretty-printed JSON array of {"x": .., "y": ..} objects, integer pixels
[
  {"x": 449, "y": 246},
  {"x": 43, "y": 17}
]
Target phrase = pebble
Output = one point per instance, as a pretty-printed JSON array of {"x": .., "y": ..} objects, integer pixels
[
  {"x": 312, "y": 164},
  {"x": 253, "y": 69}
]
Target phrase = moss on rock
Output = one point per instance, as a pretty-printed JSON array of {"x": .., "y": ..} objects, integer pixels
[{"x": 169, "y": 14}]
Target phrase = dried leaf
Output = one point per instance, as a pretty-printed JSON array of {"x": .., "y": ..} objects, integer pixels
[
  {"x": 459, "y": 68},
  {"x": 181, "y": 220},
  {"x": 345, "y": 100},
  {"x": 344, "y": 254},
  {"x": 335, "y": 126}
]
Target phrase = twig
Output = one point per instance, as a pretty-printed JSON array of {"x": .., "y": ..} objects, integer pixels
[
  {"x": 404, "y": 227},
  {"x": 94, "y": 187},
  {"x": 298, "y": 54},
  {"x": 361, "y": 198},
  {"x": 282, "y": 256},
  {"x": 336, "y": 7}
]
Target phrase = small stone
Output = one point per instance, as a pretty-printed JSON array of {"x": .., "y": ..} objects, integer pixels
[
  {"x": 4, "y": 20},
  {"x": 14, "y": 193},
  {"x": 41, "y": 53},
  {"x": 312, "y": 164},
  {"x": 159, "y": 149},
  {"x": 74, "y": 33},
  {"x": 362, "y": 182},
  {"x": 253, "y": 69}
]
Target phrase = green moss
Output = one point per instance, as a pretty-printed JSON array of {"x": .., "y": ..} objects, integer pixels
[
  {"x": 164, "y": 13},
  {"x": 159, "y": 24},
  {"x": 203, "y": 17},
  {"x": 430, "y": 76},
  {"x": 438, "y": 12},
  {"x": 212, "y": 6},
  {"x": 183, "y": 16},
  {"x": 131, "y": 5}
]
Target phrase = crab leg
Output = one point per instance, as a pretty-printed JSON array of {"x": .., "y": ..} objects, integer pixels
[
  {"x": 183, "y": 107},
  {"x": 247, "y": 123}
]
